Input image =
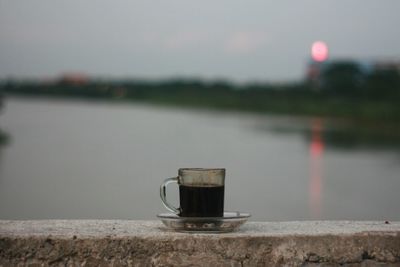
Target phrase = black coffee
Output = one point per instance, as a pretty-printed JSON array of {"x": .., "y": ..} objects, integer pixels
[{"x": 201, "y": 200}]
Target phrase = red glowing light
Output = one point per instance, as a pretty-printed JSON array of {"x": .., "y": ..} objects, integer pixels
[
  {"x": 319, "y": 51},
  {"x": 316, "y": 148},
  {"x": 316, "y": 172}
]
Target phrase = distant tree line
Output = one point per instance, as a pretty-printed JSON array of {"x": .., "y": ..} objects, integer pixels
[
  {"x": 349, "y": 79},
  {"x": 343, "y": 91}
]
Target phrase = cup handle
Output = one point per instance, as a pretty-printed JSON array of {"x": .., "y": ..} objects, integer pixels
[{"x": 163, "y": 194}]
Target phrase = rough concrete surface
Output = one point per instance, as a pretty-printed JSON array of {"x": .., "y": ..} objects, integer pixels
[{"x": 147, "y": 243}]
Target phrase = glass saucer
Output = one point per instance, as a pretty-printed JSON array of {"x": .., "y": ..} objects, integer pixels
[{"x": 230, "y": 222}]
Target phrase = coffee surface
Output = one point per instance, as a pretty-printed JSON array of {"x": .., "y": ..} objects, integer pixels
[{"x": 201, "y": 200}]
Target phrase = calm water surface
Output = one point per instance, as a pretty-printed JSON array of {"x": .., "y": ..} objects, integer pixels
[{"x": 77, "y": 160}]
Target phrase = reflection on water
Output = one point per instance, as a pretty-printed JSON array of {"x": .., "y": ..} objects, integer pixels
[
  {"x": 72, "y": 159},
  {"x": 316, "y": 153},
  {"x": 342, "y": 134},
  {"x": 4, "y": 138}
]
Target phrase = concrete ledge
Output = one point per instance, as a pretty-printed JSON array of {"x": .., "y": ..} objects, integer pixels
[{"x": 145, "y": 243}]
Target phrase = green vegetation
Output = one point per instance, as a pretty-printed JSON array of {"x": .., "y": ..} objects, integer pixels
[
  {"x": 297, "y": 99},
  {"x": 342, "y": 90},
  {"x": 369, "y": 105}
]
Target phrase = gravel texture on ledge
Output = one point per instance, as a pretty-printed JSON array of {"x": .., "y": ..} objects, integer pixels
[{"x": 148, "y": 243}]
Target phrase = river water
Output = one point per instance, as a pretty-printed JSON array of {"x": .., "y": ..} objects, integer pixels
[{"x": 71, "y": 159}]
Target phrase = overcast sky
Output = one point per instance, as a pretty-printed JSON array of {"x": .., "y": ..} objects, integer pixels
[{"x": 239, "y": 40}]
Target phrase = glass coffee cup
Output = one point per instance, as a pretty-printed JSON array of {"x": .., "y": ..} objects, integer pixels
[{"x": 201, "y": 192}]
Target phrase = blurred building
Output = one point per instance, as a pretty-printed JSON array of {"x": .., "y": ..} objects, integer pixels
[
  {"x": 387, "y": 65},
  {"x": 74, "y": 79}
]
